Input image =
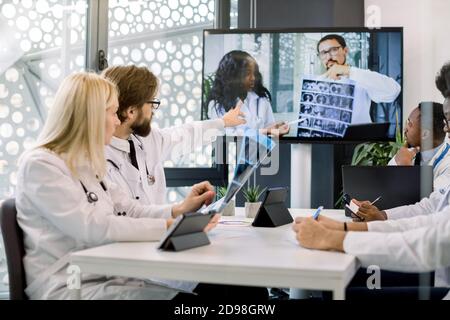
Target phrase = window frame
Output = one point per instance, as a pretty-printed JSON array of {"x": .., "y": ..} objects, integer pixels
[{"x": 97, "y": 29}]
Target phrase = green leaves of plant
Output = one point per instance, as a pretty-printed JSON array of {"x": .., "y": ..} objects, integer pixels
[
  {"x": 252, "y": 194},
  {"x": 221, "y": 191}
]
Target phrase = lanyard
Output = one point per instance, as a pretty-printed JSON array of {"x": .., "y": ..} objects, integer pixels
[{"x": 441, "y": 156}]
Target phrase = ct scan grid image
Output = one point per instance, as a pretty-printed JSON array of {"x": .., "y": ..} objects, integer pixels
[{"x": 325, "y": 108}]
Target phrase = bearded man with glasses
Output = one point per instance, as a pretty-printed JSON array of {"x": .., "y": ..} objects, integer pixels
[{"x": 332, "y": 51}]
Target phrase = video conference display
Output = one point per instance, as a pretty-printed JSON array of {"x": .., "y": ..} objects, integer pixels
[{"x": 342, "y": 84}]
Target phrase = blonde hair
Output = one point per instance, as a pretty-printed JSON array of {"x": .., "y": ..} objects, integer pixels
[{"x": 75, "y": 126}]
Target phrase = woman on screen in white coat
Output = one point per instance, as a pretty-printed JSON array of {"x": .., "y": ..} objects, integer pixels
[
  {"x": 64, "y": 205},
  {"x": 238, "y": 77}
]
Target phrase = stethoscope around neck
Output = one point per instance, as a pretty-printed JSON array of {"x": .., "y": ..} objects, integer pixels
[{"x": 92, "y": 197}]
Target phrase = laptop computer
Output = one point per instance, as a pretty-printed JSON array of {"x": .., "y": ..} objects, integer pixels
[{"x": 397, "y": 185}]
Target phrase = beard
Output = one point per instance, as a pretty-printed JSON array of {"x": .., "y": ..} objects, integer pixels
[{"x": 142, "y": 127}]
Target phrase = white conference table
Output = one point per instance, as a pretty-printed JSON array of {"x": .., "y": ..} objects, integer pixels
[{"x": 237, "y": 255}]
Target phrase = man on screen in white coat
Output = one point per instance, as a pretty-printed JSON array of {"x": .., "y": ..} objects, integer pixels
[{"x": 370, "y": 85}]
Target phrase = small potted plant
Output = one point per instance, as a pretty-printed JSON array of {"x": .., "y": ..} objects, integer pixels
[
  {"x": 229, "y": 209},
  {"x": 252, "y": 203}
]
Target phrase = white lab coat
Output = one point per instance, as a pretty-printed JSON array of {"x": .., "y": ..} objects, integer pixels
[
  {"x": 370, "y": 86},
  {"x": 257, "y": 111},
  {"x": 436, "y": 202},
  {"x": 441, "y": 168},
  {"x": 151, "y": 151},
  {"x": 418, "y": 244},
  {"x": 434, "y": 209},
  {"x": 57, "y": 219}
]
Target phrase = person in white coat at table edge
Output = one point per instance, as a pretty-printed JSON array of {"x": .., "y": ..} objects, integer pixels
[
  {"x": 137, "y": 152},
  {"x": 413, "y": 238},
  {"x": 64, "y": 204}
]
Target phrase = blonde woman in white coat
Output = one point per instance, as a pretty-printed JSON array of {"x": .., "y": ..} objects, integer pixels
[{"x": 64, "y": 205}]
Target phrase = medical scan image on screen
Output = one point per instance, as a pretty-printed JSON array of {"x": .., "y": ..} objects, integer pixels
[
  {"x": 326, "y": 108},
  {"x": 332, "y": 85}
]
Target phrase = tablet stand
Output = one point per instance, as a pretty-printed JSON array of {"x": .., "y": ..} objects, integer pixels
[
  {"x": 187, "y": 241},
  {"x": 272, "y": 215}
]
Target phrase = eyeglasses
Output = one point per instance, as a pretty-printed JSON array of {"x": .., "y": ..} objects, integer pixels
[
  {"x": 332, "y": 51},
  {"x": 155, "y": 103}
]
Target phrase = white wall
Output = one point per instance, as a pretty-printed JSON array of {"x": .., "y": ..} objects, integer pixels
[{"x": 426, "y": 44}]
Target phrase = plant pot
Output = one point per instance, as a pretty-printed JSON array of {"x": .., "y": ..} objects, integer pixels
[
  {"x": 251, "y": 209},
  {"x": 229, "y": 209}
]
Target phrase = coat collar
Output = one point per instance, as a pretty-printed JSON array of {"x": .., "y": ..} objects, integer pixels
[
  {"x": 123, "y": 145},
  {"x": 429, "y": 155},
  {"x": 120, "y": 144},
  {"x": 436, "y": 152}
]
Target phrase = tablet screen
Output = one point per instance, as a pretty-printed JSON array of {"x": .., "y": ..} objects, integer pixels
[
  {"x": 254, "y": 149},
  {"x": 185, "y": 224}
]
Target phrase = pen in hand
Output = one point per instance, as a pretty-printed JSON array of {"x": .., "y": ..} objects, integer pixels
[
  {"x": 375, "y": 200},
  {"x": 360, "y": 218},
  {"x": 317, "y": 213}
]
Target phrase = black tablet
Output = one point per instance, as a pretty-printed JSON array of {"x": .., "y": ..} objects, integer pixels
[
  {"x": 273, "y": 211},
  {"x": 186, "y": 232},
  {"x": 275, "y": 195}
]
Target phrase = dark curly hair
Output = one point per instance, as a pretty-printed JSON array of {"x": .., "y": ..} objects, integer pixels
[
  {"x": 228, "y": 83},
  {"x": 443, "y": 80}
]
